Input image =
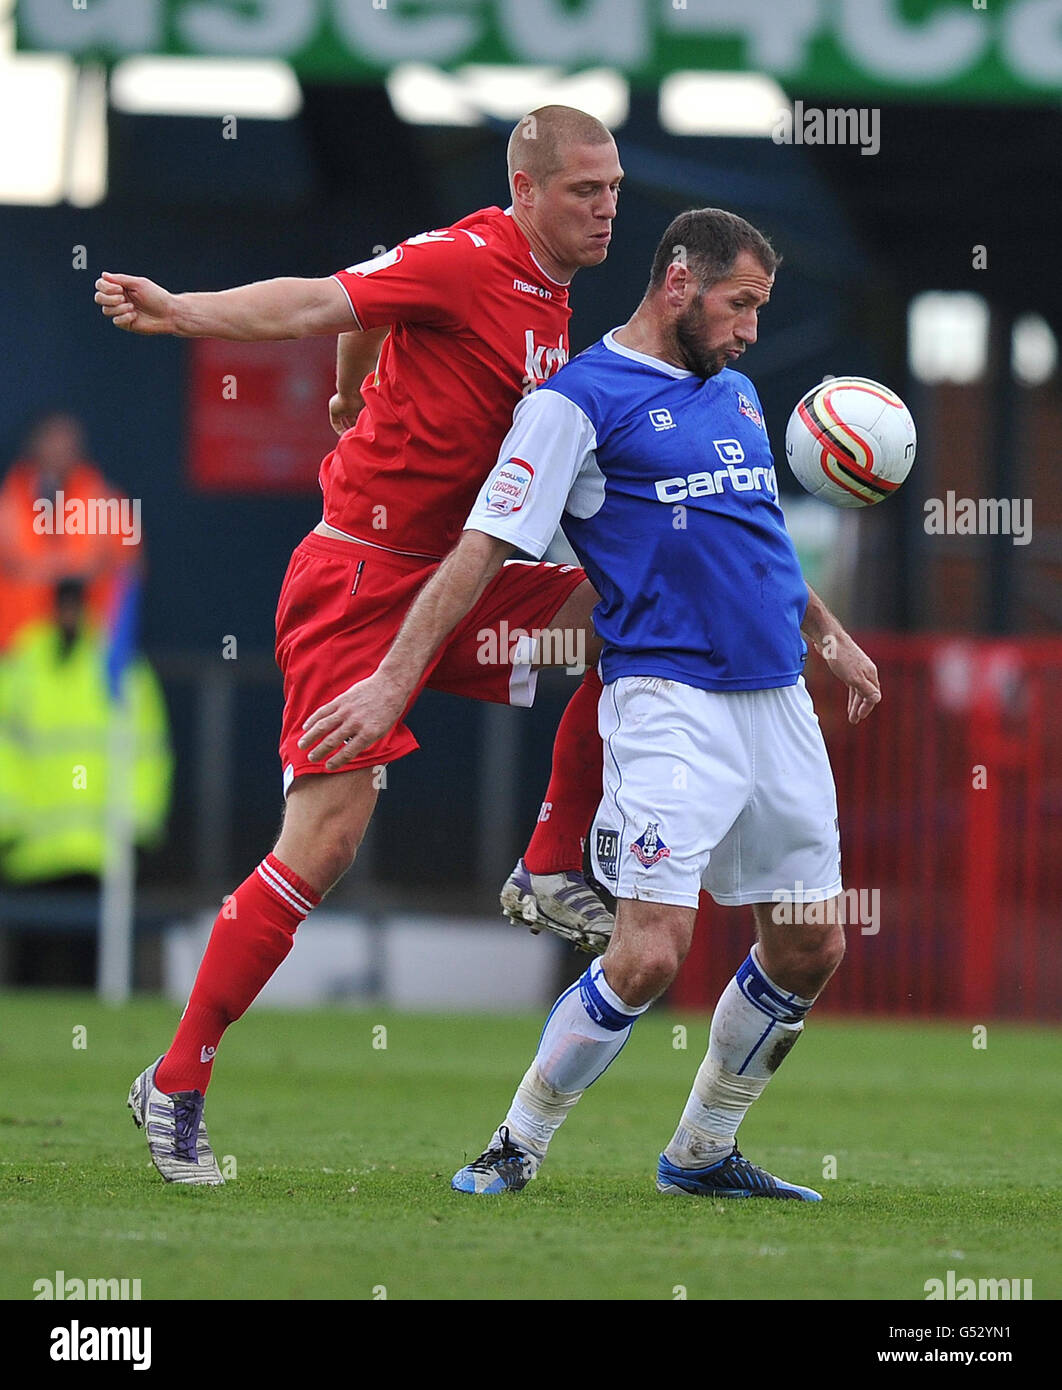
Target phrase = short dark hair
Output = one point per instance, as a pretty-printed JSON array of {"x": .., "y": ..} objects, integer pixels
[{"x": 710, "y": 240}]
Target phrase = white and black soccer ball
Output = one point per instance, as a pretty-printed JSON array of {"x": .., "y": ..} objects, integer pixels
[{"x": 850, "y": 441}]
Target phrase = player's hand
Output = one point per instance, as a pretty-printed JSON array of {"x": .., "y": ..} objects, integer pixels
[
  {"x": 135, "y": 304},
  {"x": 346, "y": 726},
  {"x": 344, "y": 410},
  {"x": 850, "y": 663}
]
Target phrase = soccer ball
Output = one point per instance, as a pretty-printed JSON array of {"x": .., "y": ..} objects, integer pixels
[{"x": 850, "y": 441}]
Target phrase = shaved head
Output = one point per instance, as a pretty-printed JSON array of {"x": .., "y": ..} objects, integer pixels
[
  {"x": 565, "y": 176},
  {"x": 540, "y": 142}
]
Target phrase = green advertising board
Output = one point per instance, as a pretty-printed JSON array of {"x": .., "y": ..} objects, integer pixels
[{"x": 973, "y": 50}]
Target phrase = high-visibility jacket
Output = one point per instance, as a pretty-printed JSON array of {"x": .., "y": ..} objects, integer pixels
[
  {"x": 56, "y": 734},
  {"x": 34, "y": 557}
]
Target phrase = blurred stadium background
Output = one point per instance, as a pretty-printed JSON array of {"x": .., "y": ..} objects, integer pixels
[{"x": 210, "y": 144}]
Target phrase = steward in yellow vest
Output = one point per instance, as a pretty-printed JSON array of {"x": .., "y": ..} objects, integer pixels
[{"x": 55, "y": 716}]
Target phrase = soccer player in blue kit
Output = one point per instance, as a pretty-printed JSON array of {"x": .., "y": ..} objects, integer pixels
[{"x": 651, "y": 451}]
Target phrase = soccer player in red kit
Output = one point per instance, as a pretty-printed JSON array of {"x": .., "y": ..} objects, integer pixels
[{"x": 471, "y": 317}]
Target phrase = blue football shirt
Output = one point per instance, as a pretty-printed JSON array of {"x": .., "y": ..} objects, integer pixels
[{"x": 665, "y": 486}]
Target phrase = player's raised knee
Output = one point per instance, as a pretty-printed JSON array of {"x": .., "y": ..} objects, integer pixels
[
  {"x": 832, "y": 949},
  {"x": 643, "y": 977},
  {"x": 803, "y": 959},
  {"x": 336, "y": 851},
  {"x": 324, "y": 823},
  {"x": 821, "y": 948}
]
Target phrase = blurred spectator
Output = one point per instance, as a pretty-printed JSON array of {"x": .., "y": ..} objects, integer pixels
[
  {"x": 55, "y": 717},
  {"x": 50, "y": 516}
]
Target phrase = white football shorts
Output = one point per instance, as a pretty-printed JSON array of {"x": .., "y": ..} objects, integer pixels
[{"x": 727, "y": 790}]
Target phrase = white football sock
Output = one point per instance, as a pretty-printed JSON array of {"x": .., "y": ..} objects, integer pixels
[
  {"x": 585, "y": 1031},
  {"x": 754, "y": 1025}
]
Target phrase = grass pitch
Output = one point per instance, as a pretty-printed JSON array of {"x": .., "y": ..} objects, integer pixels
[{"x": 946, "y": 1157}]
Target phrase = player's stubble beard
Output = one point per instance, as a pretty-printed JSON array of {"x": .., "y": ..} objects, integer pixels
[{"x": 689, "y": 340}]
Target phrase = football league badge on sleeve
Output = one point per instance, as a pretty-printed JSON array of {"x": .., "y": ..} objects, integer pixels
[
  {"x": 508, "y": 488},
  {"x": 746, "y": 407},
  {"x": 649, "y": 848}
]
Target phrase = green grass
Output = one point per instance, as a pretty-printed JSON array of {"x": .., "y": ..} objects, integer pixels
[{"x": 947, "y": 1158}]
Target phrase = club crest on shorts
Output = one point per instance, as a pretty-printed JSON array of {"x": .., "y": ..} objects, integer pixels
[{"x": 649, "y": 848}]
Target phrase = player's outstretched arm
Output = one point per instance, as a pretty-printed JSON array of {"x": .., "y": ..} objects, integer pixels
[
  {"x": 343, "y": 728},
  {"x": 267, "y": 311},
  {"x": 848, "y": 661},
  {"x": 356, "y": 356}
]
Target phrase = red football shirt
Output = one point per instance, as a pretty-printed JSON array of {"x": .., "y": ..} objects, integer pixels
[{"x": 475, "y": 323}]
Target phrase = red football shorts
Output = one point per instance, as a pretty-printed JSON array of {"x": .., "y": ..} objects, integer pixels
[{"x": 341, "y": 605}]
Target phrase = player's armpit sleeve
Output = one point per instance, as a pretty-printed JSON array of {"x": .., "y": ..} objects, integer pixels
[
  {"x": 427, "y": 279},
  {"x": 550, "y": 443}
]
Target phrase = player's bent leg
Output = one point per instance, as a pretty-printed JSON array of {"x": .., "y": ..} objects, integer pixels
[
  {"x": 759, "y": 1018},
  {"x": 649, "y": 944},
  {"x": 325, "y": 820},
  {"x": 532, "y": 615},
  {"x": 585, "y": 1032},
  {"x": 800, "y": 945},
  {"x": 569, "y": 638},
  {"x": 563, "y": 901},
  {"x": 548, "y": 889}
]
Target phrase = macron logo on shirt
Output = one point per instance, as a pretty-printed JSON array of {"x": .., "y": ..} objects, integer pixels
[{"x": 525, "y": 288}]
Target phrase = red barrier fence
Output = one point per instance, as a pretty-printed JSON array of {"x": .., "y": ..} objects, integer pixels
[{"x": 950, "y": 802}]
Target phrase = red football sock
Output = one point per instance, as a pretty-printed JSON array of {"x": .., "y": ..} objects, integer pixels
[
  {"x": 253, "y": 933},
  {"x": 574, "y": 790}
]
